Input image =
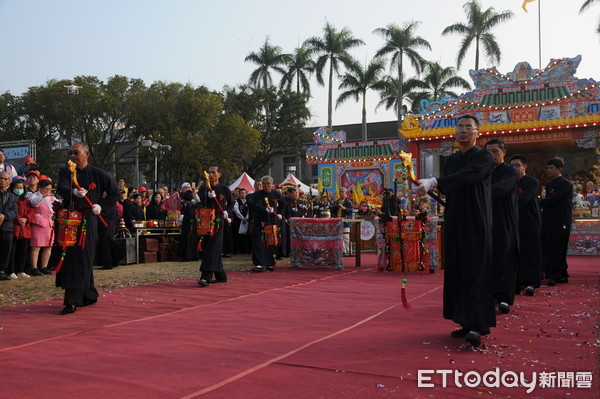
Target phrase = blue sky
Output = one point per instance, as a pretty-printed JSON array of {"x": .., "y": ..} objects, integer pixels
[{"x": 205, "y": 42}]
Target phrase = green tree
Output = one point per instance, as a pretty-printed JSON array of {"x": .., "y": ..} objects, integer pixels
[
  {"x": 267, "y": 58},
  {"x": 401, "y": 41},
  {"x": 355, "y": 83},
  {"x": 439, "y": 81},
  {"x": 300, "y": 65},
  {"x": 281, "y": 127},
  {"x": 478, "y": 29},
  {"x": 333, "y": 47},
  {"x": 388, "y": 94},
  {"x": 586, "y": 4}
]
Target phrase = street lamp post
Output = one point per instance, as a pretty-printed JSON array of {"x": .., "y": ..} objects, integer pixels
[{"x": 158, "y": 148}]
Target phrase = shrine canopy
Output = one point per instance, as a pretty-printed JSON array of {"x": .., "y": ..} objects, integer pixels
[
  {"x": 245, "y": 182},
  {"x": 291, "y": 180}
]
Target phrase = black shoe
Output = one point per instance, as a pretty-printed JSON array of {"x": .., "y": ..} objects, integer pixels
[
  {"x": 459, "y": 333},
  {"x": 35, "y": 272},
  {"x": 503, "y": 307},
  {"x": 106, "y": 268},
  {"x": 551, "y": 282},
  {"x": 203, "y": 283},
  {"x": 258, "y": 269},
  {"x": 3, "y": 276},
  {"x": 68, "y": 309},
  {"x": 563, "y": 280},
  {"x": 218, "y": 281},
  {"x": 226, "y": 256},
  {"x": 529, "y": 291},
  {"x": 45, "y": 270},
  {"x": 474, "y": 338},
  {"x": 270, "y": 268}
]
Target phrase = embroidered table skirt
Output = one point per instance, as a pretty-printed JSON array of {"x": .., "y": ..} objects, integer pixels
[{"x": 316, "y": 242}]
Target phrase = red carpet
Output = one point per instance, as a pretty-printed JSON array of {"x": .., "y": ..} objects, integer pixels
[{"x": 296, "y": 333}]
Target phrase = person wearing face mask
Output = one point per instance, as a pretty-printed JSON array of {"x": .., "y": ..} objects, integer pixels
[
  {"x": 19, "y": 252},
  {"x": 42, "y": 231}
]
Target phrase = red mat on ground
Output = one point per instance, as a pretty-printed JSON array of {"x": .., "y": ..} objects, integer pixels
[{"x": 296, "y": 333}]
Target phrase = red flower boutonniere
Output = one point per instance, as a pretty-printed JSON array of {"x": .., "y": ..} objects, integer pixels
[
  {"x": 221, "y": 197},
  {"x": 92, "y": 186}
]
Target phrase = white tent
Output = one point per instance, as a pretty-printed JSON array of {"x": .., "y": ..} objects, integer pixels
[
  {"x": 303, "y": 188},
  {"x": 244, "y": 181}
]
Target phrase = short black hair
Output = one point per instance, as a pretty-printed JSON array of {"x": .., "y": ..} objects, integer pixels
[
  {"x": 498, "y": 142},
  {"x": 520, "y": 157},
  {"x": 558, "y": 162},
  {"x": 469, "y": 116}
]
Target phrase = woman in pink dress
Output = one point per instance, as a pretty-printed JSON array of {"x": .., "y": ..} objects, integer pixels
[{"x": 42, "y": 231}]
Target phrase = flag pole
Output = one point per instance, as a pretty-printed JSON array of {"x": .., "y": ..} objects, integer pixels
[{"x": 540, "y": 34}]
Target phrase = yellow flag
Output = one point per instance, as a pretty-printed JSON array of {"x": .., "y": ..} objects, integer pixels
[
  {"x": 525, "y": 4},
  {"x": 319, "y": 187},
  {"x": 337, "y": 191}
]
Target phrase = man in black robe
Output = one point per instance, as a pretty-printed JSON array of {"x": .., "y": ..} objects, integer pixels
[
  {"x": 468, "y": 283},
  {"x": 76, "y": 275},
  {"x": 505, "y": 222},
  {"x": 212, "y": 246},
  {"x": 530, "y": 228},
  {"x": 266, "y": 207},
  {"x": 557, "y": 208}
]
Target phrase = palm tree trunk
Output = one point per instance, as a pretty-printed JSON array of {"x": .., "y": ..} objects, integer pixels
[
  {"x": 364, "y": 117},
  {"x": 400, "y": 94},
  {"x": 476, "y": 53},
  {"x": 330, "y": 98},
  {"x": 298, "y": 82}
]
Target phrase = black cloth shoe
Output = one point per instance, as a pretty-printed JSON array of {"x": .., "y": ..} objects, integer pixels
[
  {"x": 68, "y": 309},
  {"x": 258, "y": 269},
  {"x": 503, "y": 307},
  {"x": 3, "y": 275},
  {"x": 35, "y": 272},
  {"x": 474, "y": 338},
  {"x": 459, "y": 333},
  {"x": 203, "y": 283},
  {"x": 218, "y": 281},
  {"x": 551, "y": 282},
  {"x": 529, "y": 291},
  {"x": 226, "y": 256},
  {"x": 270, "y": 268}
]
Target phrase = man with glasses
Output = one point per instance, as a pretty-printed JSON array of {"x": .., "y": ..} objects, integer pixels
[
  {"x": 266, "y": 206},
  {"x": 468, "y": 282},
  {"x": 8, "y": 213},
  {"x": 76, "y": 274},
  {"x": 529, "y": 272}
]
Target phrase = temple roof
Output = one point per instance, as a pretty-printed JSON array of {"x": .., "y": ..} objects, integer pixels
[{"x": 523, "y": 100}]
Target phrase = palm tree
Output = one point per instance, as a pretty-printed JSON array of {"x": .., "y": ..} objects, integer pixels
[
  {"x": 586, "y": 4},
  {"x": 400, "y": 42},
  {"x": 300, "y": 64},
  {"x": 332, "y": 47},
  {"x": 268, "y": 58},
  {"x": 357, "y": 80},
  {"x": 438, "y": 82},
  {"x": 388, "y": 94},
  {"x": 479, "y": 26}
]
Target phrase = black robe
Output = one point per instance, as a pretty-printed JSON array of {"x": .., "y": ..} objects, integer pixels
[
  {"x": 468, "y": 284},
  {"x": 530, "y": 232},
  {"x": 261, "y": 254},
  {"x": 188, "y": 240},
  {"x": 212, "y": 247},
  {"x": 557, "y": 210},
  {"x": 505, "y": 231},
  {"x": 76, "y": 272}
]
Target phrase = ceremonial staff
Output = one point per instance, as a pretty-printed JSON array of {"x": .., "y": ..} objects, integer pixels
[
  {"x": 72, "y": 168},
  {"x": 407, "y": 162},
  {"x": 219, "y": 207}
]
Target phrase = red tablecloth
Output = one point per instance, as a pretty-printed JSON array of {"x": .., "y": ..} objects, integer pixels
[{"x": 316, "y": 242}]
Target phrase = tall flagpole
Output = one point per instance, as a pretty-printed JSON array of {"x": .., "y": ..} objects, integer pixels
[{"x": 540, "y": 33}]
